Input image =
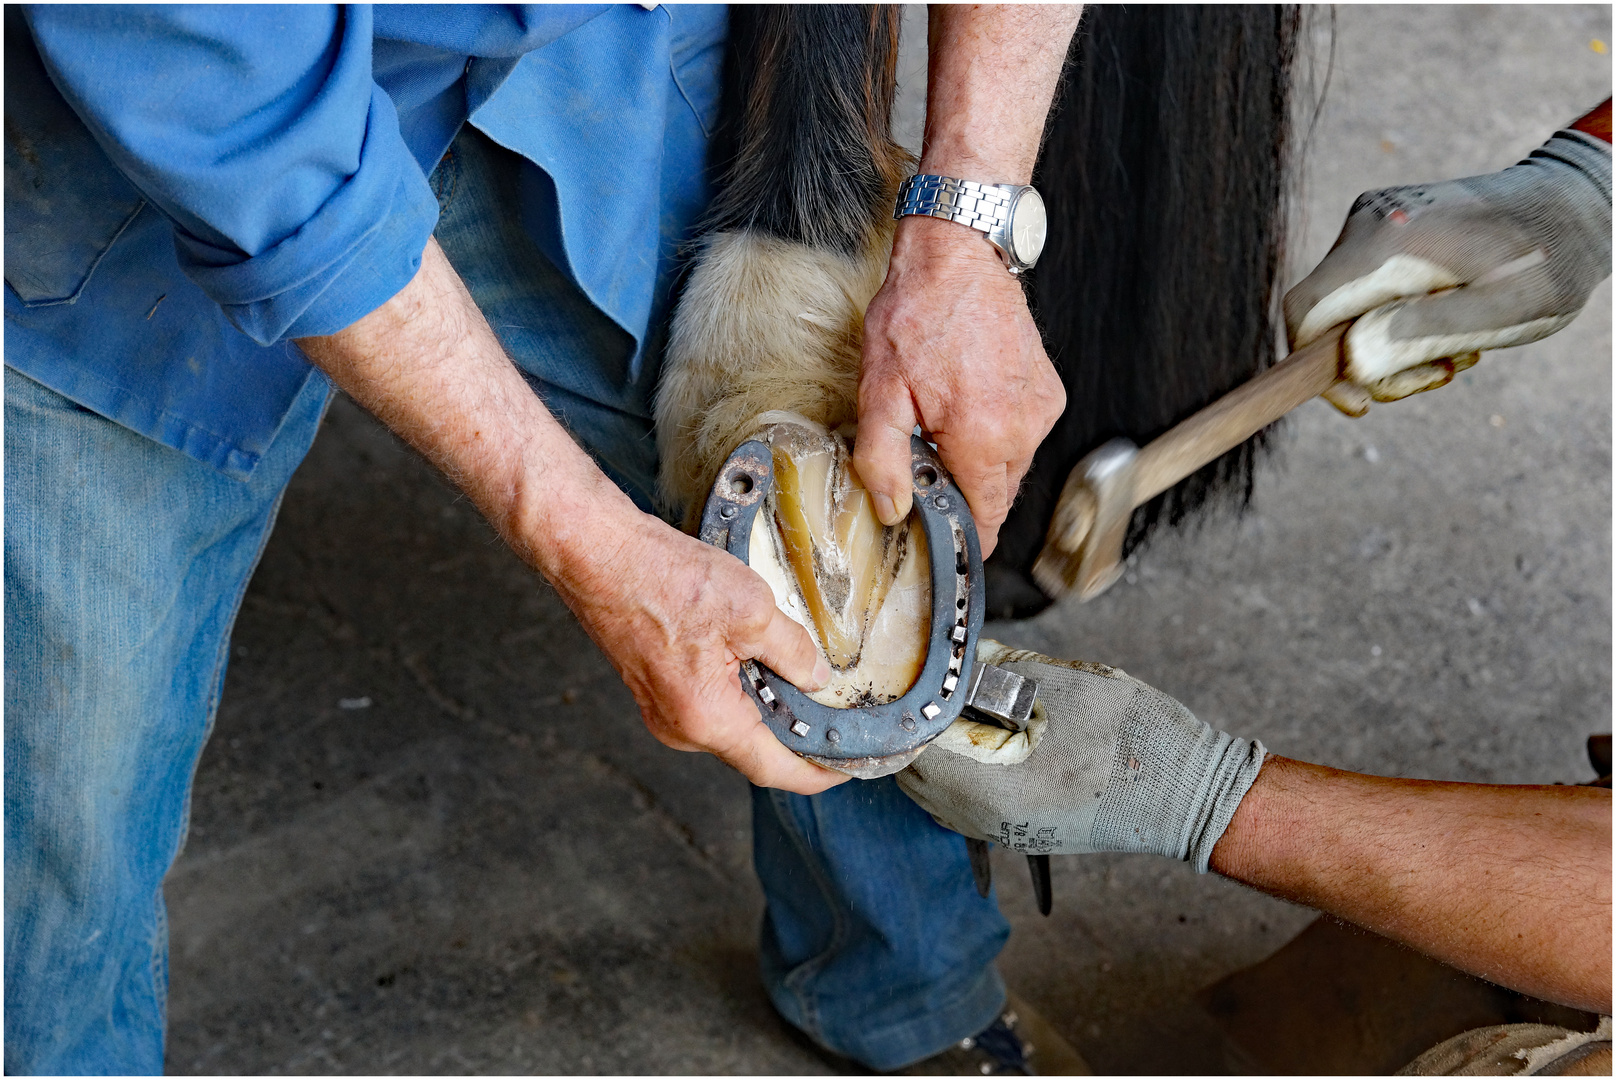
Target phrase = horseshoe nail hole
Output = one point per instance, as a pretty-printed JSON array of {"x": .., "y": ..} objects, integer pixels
[
  {"x": 960, "y": 603},
  {"x": 740, "y": 484},
  {"x": 925, "y": 476}
]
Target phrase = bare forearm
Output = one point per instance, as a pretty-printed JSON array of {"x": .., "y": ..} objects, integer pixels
[
  {"x": 1596, "y": 122},
  {"x": 993, "y": 70},
  {"x": 674, "y": 616},
  {"x": 430, "y": 367},
  {"x": 992, "y": 73},
  {"x": 1510, "y": 883}
]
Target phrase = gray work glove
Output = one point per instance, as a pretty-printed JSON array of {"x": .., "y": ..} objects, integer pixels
[
  {"x": 1114, "y": 765},
  {"x": 1516, "y": 254}
]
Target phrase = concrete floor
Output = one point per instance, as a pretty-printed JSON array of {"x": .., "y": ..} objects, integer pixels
[{"x": 490, "y": 867}]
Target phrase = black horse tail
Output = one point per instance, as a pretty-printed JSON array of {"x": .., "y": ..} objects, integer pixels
[
  {"x": 806, "y": 152},
  {"x": 1165, "y": 171}
]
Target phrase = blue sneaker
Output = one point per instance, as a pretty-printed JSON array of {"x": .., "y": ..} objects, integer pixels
[{"x": 1019, "y": 1042}]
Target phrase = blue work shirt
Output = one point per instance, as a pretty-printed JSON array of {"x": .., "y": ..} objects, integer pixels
[{"x": 190, "y": 188}]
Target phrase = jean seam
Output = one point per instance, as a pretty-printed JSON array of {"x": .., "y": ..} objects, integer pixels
[
  {"x": 954, "y": 1002},
  {"x": 220, "y": 663},
  {"x": 807, "y": 1003},
  {"x": 159, "y": 965},
  {"x": 221, "y": 658}
]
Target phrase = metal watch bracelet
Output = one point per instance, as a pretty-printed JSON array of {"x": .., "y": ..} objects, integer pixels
[
  {"x": 984, "y": 207},
  {"x": 1011, "y": 216}
]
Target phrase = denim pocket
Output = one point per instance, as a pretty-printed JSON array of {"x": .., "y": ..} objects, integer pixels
[{"x": 65, "y": 202}]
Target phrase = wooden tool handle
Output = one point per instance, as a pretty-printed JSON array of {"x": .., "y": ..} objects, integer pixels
[{"x": 1238, "y": 415}]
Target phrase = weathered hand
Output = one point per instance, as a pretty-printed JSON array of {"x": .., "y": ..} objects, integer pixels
[
  {"x": 950, "y": 345},
  {"x": 676, "y": 617}
]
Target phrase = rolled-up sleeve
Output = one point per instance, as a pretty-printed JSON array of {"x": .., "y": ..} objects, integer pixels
[{"x": 262, "y": 135}]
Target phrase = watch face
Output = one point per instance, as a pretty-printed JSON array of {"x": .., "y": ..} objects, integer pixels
[{"x": 1028, "y": 226}]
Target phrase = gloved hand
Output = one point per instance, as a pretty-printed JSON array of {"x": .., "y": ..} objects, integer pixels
[
  {"x": 1109, "y": 764},
  {"x": 1514, "y": 253}
]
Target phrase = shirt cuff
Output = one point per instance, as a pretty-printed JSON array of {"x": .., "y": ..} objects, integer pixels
[{"x": 361, "y": 247}]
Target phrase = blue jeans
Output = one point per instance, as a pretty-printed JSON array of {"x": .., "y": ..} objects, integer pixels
[
  {"x": 125, "y": 563},
  {"x": 875, "y": 942}
]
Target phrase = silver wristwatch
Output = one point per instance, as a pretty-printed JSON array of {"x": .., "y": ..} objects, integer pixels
[{"x": 1012, "y": 215}]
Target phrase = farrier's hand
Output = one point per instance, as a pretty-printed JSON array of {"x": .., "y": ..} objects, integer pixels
[
  {"x": 1438, "y": 272},
  {"x": 950, "y": 345},
  {"x": 676, "y": 616},
  {"x": 948, "y": 341},
  {"x": 673, "y": 615},
  {"x": 1115, "y": 765}
]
